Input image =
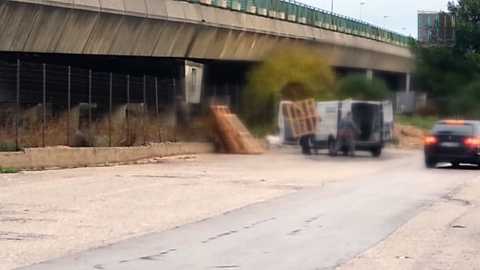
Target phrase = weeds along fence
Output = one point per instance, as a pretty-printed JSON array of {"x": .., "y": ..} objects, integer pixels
[{"x": 50, "y": 105}]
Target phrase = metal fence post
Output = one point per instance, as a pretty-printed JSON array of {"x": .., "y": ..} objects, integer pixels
[
  {"x": 17, "y": 107},
  {"x": 44, "y": 103},
  {"x": 89, "y": 99},
  {"x": 174, "y": 101},
  {"x": 127, "y": 118},
  {"x": 156, "y": 97},
  {"x": 110, "y": 111},
  {"x": 144, "y": 107},
  {"x": 159, "y": 137},
  {"x": 69, "y": 98}
]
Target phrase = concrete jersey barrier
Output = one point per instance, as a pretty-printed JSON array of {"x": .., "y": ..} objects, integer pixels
[{"x": 68, "y": 157}]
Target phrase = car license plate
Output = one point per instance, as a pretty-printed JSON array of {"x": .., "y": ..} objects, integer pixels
[{"x": 450, "y": 144}]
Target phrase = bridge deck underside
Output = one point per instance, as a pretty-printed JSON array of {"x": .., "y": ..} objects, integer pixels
[{"x": 47, "y": 29}]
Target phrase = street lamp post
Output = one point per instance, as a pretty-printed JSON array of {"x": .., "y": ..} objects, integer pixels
[
  {"x": 385, "y": 21},
  {"x": 331, "y": 7},
  {"x": 361, "y": 9}
]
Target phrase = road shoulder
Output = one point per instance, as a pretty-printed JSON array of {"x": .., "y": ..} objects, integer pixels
[{"x": 445, "y": 235}]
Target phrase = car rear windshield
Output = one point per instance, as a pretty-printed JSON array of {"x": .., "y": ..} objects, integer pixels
[{"x": 464, "y": 130}]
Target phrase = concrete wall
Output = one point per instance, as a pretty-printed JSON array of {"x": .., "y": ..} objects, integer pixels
[
  {"x": 169, "y": 28},
  {"x": 66, "y": 157}
]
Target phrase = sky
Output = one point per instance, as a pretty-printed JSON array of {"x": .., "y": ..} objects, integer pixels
[{"x": 401, "y": 14}]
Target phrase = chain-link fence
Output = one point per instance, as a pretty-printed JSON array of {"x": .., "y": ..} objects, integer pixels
[{"x": 48, "y": 105}]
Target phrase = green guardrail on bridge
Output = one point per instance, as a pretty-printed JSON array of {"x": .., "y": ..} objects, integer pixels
[{"x": 294, "y": 11}]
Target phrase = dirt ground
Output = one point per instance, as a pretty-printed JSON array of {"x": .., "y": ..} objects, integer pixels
[
  {"x": 48, "y": 214},
  {"x": 408, "y": 137}
]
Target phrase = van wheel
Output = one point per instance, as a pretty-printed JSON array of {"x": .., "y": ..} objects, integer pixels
[
  {"x": 332, "y": 148},
  {"x": 305, "y": 144},
  {"x": 376, "y": 152}
]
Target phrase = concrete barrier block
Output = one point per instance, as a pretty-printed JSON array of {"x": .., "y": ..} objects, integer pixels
[
  {"x": 262, "y": 11},
  {"x": 222, "y": 3},
  {"x": 66, "y": 157},
  {"x": 236, "y": 5},
  {"x": 137, "y": 7}
]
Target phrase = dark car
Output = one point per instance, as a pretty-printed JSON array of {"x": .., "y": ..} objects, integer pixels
[{"x": 453, "y": 141}]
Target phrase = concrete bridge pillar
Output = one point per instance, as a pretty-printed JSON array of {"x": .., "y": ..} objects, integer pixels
[
  {"x": 408, "y": 80},
  {"x": 370, "y": 74}
]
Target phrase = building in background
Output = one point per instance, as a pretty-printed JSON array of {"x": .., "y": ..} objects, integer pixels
[{"x": 436, "y": 28}]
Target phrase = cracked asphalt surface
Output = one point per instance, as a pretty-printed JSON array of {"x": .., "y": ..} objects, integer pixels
[{"x": 318, "y": 227}]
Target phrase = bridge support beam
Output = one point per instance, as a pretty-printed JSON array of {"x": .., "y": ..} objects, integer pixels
[
  {"x": 408, "y": 80},
  {"x": 370, "y": 74}
]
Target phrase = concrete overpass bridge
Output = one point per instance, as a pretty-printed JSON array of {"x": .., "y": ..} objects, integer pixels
[
  {"x": 60, "y": 54},
  {"x": 219, "y": 30}
]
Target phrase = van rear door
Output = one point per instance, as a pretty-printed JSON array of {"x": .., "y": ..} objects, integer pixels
[{"x": 388, "y": 122}]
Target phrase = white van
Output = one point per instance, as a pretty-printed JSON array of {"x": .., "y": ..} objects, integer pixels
[{"x": 374, "y": 120}]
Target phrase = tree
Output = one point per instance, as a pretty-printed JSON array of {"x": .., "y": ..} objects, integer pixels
[
  {"x": 448, "y": 72},
  {"x": 361, "y": 88},
  {"x": 468, "y": 100},
  {"x": 467, "y": 27},
  {"x": 288, "y": 73}
]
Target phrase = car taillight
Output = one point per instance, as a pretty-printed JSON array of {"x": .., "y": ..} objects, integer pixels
[
  {"x": 430, "y": 140},
  {"x": 472, "y": 142}
]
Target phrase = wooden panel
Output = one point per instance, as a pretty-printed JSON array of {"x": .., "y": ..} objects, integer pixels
[
  {"x": 235, "y": 136},
  {"x": 301, "y": 117}
]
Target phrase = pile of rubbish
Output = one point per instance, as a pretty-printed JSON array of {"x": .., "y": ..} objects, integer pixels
[{"x": 408, "y": 137}]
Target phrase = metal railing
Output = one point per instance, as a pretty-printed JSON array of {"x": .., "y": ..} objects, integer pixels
[{"x": 293, "y": 11}]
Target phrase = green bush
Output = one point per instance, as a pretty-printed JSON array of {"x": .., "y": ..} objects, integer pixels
[
  {"x": 359, "y": 87},
  {"x": 8, "y": 147},
  {"x": 467, "y": 102},
  {"x": 8, "y": 170},
  {"x": 423, "y": 122},
  {"x": 290, "y": 73}
]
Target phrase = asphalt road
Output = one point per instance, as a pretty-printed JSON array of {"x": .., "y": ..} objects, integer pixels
[{"x": 318, "y": 228}]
